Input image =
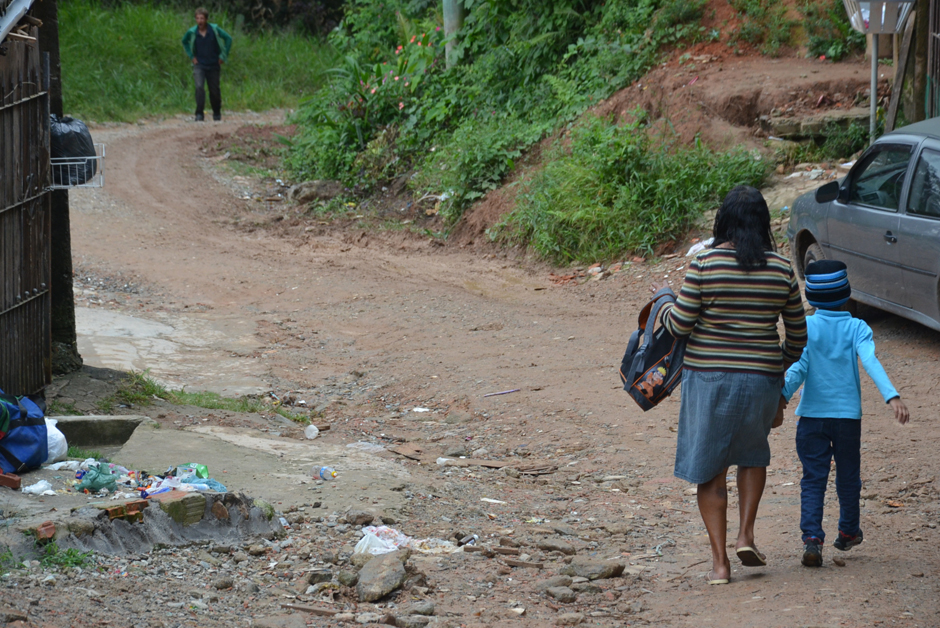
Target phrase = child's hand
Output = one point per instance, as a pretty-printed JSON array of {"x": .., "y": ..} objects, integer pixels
[
  {"x": 778, "y": 419},
  {"x": 900, "y": 410}
]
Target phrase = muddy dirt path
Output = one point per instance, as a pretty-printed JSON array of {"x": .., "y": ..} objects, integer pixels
[{"x": 369, "y": 324}]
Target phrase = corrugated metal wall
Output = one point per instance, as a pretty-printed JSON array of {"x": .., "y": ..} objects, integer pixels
[{"x": 25, "y": 329}]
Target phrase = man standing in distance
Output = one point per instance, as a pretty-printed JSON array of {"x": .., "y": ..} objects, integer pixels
[{"x": 208, "y": 47}]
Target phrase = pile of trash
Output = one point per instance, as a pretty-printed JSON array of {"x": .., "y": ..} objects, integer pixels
[
  {"x": 101, "y": 478},
  {"x": 378, "y": 540}
]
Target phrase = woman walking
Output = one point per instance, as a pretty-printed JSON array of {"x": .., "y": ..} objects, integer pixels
[{"x": 728, "y": 307}]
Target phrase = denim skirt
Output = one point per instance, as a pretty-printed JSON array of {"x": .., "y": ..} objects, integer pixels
[{"x": 724, "y": 420}]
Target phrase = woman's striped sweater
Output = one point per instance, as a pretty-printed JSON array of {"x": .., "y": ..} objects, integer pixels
[{"x": 730, "y": 314}]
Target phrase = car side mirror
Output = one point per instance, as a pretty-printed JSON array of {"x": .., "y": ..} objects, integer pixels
[{"x": 828, "y": 192}]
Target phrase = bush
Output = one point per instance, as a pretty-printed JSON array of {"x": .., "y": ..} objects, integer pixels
[
  {"x": 613, "y": 190},
  {"x": 829, "y": 30},
  {"x": 127, "y": 62},
  {"x": 765, "y": 22}
]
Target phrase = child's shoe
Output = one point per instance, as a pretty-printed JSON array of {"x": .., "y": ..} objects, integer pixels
[
  {"x": 812, "y": 552},
  {"x": 846, "y": 542}
]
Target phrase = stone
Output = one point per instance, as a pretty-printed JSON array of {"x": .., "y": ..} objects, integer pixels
[
  {"x": 184, "y": 508},
  {"x": 257, "y": 550},
  {"x": 281, "y": 621},
  {"x": 331, "y": 558},
  {"x": 584, "y": 587},
  {"x": 219, "y": 511},
  {"x": 296, "y": 518},
  {"x": 455, "y": 451},
  {"x": 344, "y": 617},
  {"x": 412, "y": 621},
  {"x": 225, "y": 582},
  {"x": 562, "y": 594},
  {"x": 593, "y": 568},
  {"x": 207, "y": 557},
  {"x": 380, "y": 576},
  {"x": 318, "y": 575},
  {"x": 569, "y": 619},
  {"x": 511, "y": 472},
  {"x": 318, "y": 190},
  {"x": 249, "y": 587},
  {"x": 265, "y": 508},
  {"x": 554, "y": 581},
  {"x": 240, "y": 557},
  {"x": 556, "y": 545},
  {"x": 347, "y": 578},
  {"x": 423, "y": 607},
  {"x": 369, "y": 618},
  {"x": 358, "y": 561},
  {"x": 81, "y": 527},
  {"x": 359, "y": 517},
  {"x": 508, "y": 541},
  {"x": 564, "y": 530},
  {"x": 482, "y": 452}
]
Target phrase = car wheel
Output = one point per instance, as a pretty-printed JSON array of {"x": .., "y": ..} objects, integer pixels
[{"x": 814, "y": 253}]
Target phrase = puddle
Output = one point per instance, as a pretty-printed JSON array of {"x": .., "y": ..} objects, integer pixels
[{"x": 198, "y": 352}]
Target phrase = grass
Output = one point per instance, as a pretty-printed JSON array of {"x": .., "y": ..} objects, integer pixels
[
  {"x": 63, "y": 408},
  {"x": 836, "y": 142},
  {"x": 614, "y": 189},
  {"x": 83, "y": 454},
  {"x": 126, "y": 62},
  {"x": 51, "y": 555},
  {"x": 138, "y": 389}
]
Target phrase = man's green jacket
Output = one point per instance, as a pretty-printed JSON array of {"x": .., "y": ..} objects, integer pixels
[{"x": 224, "y": 39}]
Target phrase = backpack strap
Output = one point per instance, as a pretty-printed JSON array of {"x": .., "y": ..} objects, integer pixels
[
  {"x": 14, "y": 462},
  {"x": 650, "y": 313}
]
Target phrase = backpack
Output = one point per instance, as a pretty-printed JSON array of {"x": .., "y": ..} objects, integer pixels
[
  {"x": 652, "y": 365},
  {"x": 24, "y": 442}
]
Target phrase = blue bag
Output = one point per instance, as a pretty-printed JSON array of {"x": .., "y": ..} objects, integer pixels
[{"x": 25, "y": 445}]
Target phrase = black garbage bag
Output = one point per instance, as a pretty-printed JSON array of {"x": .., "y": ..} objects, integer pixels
[{"x": 72, "y": 140}]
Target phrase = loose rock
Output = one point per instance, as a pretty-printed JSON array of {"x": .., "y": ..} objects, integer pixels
[
  {"x": 562, "y": 594},
  {"x": 412, "y": 621},
  {"x": 556, "y": 545},
  {"x": 593, "y": 568},
  {"x": 347, "y": 578},
  {"x": 225, "y": 582},
  {"x": 359, "y": 517},
  {"x": 379, "y": 577},
  {"x": 555, "y": 581},
  {"x": 569, "y": 619}
]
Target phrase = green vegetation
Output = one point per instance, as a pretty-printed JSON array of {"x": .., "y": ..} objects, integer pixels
[
  {"x": 836, "y": 142},
  {"x": 139, "y": 389},
  {"x": 526, "y": 68},
  {"x": 614, "y": 189},
  {"x": 51, "y": 555},
  {"x": 764, "y": 23},
  {"x": 83, "y": 454},
  {"x": 126, "y": 61},
  {"x": 61, "y": 408},
  {"x": 829, "y": 31}
]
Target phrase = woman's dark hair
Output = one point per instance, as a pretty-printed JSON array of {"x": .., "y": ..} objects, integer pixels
[{"x": 744, "y": 221}]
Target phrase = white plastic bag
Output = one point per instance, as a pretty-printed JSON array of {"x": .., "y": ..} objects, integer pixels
[
  {"x": 42, "y": 487},
  {"x": 58, "y": 446},
  {"x": 311, "y": 432},
  {"x": 380, "y": 540}
]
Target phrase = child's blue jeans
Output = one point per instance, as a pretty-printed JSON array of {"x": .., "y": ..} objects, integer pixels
[{"x": 818, "y": 441}]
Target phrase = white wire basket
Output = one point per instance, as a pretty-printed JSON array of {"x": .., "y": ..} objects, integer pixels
[
  {"x": 79, "y": 172},
  {"x": 884, "y": 16}
]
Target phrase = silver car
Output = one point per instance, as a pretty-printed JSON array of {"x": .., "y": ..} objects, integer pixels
[{"x": 883, "y": 220}]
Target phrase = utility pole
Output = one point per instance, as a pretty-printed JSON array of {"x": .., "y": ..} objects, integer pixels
[
  {"x": 65, "y": 357},
  {"x": 453, "y": 21}
]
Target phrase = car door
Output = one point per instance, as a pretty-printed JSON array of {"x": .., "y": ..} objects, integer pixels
[
  {"x": 864, "y": 222},
  {"x": 919, "y": 234}
]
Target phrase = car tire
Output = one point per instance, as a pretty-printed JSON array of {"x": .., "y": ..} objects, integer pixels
[{"x": 814, "y": 253}]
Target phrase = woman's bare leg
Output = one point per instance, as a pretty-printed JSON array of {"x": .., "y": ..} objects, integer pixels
[
  {"x": 751, "y": 482},
  {"x": 713, "y": 504}
]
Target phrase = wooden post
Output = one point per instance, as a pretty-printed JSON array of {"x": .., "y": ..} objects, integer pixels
[
  {"x": 921, "y": 42},
  {"x": 900, "y": 67}
]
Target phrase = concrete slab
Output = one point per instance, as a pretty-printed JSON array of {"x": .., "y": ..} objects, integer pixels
[
  {"x": 99, "y": 431},
  {"x": 201, "y": 351}
]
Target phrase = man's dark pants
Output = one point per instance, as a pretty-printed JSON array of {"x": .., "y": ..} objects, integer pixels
[
  {"x": 211, "y": 76},
  {"x": 818, "y": 442}
]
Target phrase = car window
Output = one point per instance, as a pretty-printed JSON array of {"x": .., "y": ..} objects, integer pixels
[
  {"x": 880, "y": 177},
  {"x": 925, "y": 186}
]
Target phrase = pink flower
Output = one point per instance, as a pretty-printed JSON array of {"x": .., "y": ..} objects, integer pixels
[
  {"x": 396, "y": 78},
  {"x": 419, "y": 43},
  {"x": 401, "y": 106},
  {"x": 413, "y": 39},
  {"x": 438, "y": 28},
  {"x": 373, "y": 90}
]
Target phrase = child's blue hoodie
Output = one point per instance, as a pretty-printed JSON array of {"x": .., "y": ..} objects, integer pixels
[{"x": 829, "y": 366}]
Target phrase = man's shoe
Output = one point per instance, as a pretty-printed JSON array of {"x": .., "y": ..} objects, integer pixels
[
  {"x": 812, "y": 552},
  {"x": 846, "y": 542},
  {"x": 200, "y": 117},
  {"x": 217, "y": 117}
]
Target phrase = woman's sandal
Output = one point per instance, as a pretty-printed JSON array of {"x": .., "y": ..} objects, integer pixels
[
  {"x": 710, "y": 580},
  {"x": 750, "y": 557}
]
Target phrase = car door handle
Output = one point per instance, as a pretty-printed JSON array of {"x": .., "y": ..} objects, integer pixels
[{"x": 890, "y": 238}]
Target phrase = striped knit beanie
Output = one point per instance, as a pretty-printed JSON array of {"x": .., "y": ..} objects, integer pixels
[{"x": 827, "y": 284}]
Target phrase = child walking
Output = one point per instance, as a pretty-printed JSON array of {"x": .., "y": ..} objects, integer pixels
[{"x": 830, "y": 409}]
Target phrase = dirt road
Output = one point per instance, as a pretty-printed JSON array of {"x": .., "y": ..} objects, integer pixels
[{"x": 369, "y": 324}]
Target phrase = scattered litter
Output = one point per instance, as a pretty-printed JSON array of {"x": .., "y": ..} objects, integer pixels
[
  {"x": 324, "y": 473},
  {"x": 444, "y": 461},
  {"x": 847, "y": 165},
  {"x": 420, "y": 410},
  {"x": 57, "y": 446},
  {"x": 96, "y": 479},
  {"x": 71, "y": 465},
  {"x": 311, "y": 432},
  {"x": 505, "y": 392},
  {"x": 371, "y": 448},
  {"x": 491, "y": 501},
  {"x": 378, "y": 540},
  {"x": 42, "y": 487},
  {"x": 794, "y": 175},
  {"x": 700, "y": 246}
]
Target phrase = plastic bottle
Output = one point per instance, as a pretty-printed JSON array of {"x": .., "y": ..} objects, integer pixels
[{"x": 324, "y": 473}]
